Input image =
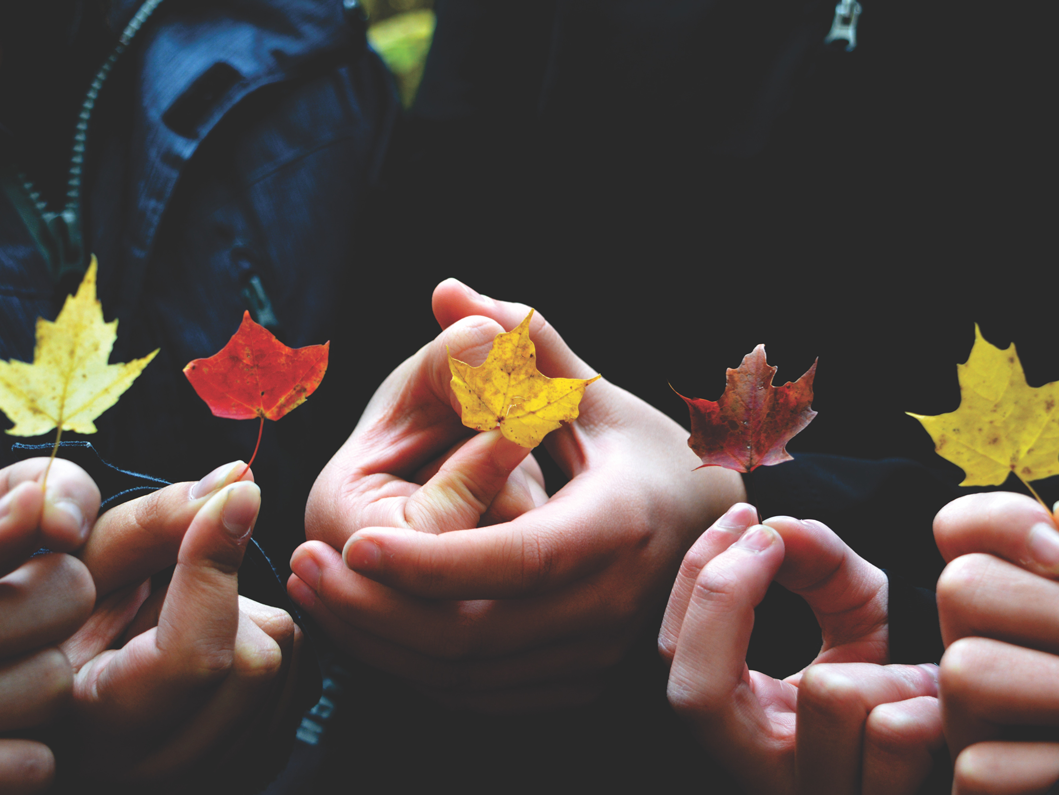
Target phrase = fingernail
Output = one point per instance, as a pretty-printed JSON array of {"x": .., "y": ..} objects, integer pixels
[
  {"x": 73, "y": 510},
  {"x": 758, "y": 538},
  {"x": 240, "y": 509},
  {"x": 304, "y": 565},
  {"x": 302, "y": 594},
  {"x": 213, "y": 481},
  {"x": 931, "y": 669},
  {"x": 1044, "y": 545},
  {"x": 5, "y": 505},
  {"x": 739, "y": 516},
  {"x": 362, "y": 554}
]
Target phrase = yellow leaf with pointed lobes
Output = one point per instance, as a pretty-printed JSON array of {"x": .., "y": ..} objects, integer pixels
[
  {"x": 508, "y": 392},
  {"x": 69, "y": 383},
  {"x": 1003, "y": 425}
]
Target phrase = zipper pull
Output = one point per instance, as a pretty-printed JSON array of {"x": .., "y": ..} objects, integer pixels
[{"x": 844, "y": 25}]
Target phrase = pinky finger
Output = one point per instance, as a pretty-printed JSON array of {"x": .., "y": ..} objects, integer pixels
[
  {"x": 25, "y": 767},
  {"x": 900, "y": 740},
  {"x": 1006, "y": 768}
]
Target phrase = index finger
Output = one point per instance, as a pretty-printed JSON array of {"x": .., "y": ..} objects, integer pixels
[
  {"x": 721, "y": 535},
  {"x": 1009, "y": 526},
  {"x": 709, "y": 683},
  {"x": 139, "y": 538},
  {"x": 540, "y": 550},
  {"x": 412, "y": 419}
]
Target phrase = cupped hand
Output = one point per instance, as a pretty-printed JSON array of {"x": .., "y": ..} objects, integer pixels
[
  {"x": 1000, "y": 674},
  {"x": 43, "y": 600},
  {"x": 848, "y": 722},
  {"x": 436, "y": 554},
  {"x": 173, "y": 677}
]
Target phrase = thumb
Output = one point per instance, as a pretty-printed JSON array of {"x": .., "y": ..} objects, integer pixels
[
  {"x": 462, "y": 489},
  {"x": 156, "y": 672}
]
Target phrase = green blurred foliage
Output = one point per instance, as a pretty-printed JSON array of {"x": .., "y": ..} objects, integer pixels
[{"x": 401, "y": 32}]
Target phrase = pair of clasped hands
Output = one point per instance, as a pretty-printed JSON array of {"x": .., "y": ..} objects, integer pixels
[
  {"x": 437, "y": 555},
  {"x": 123, "y": 679}
]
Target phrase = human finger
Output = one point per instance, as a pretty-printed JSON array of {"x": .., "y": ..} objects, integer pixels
[
  {"x": 33, "y": 688},
  {"x": 192, "y": 646},
  {"x": 981, "y": 595},
  {"x": 709, "y": 684},
  {"x": 446, "y": 669},
  {"x": 464, "y": 487},
  {"x": 448, "y": 628},
  {"x": 26, "y": 766},
  {"x": 62, "y": 520},
  {"x": 412, "y": 420},
  {"x": 987, "y": 685},
  {"x": 245, "y": 697},
  {"x": 20, "y": 511},
  {"x": 900, "y": 740},
  {"x": 139, "y": 538},
  {"x": 1009, "y": 526},
  {"x": 452, "y": 300},
  {"x": 110, "y": 619},
  {"x": 721, "y": 535},
  {"x": 43, "y": 602},
  {"x": 1006, "y": 768},
  {"x": 835, "y": 701},
  {"x": 847, "y": 594},
  {"x": 531, "y": 554}
]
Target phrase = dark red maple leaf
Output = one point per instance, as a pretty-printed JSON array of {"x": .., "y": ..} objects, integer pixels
[
  {"x": 753, "y": 421},
  {"x": 257, "y": 376}
]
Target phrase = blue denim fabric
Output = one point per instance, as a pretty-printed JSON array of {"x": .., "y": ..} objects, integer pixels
[{"x": 230, "y": 163}]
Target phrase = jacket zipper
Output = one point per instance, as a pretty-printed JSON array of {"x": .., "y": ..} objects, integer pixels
[{"x": 58, "y": 234}]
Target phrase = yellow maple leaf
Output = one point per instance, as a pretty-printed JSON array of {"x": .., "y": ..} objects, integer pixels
[
  {"x": 69, "y": 383},
  {"x": 508, "y": 392},
  {"x": 1003, "y": 425}
]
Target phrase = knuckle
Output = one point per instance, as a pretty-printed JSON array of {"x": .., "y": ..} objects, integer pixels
[
  {"x": 29, "y": 765},
  {"x": 718, "y": 587},
  {"x": 891, "y": 731},
  {"x": 208, "y": 663},
  {"x": 79, "y": 587},
  {"x": 975, "y": 772},
  {"x": 826, "y": 689},
  {"x": 536, "y": 560},
  {"x": 958, "y": 668},
  {"x": 458, "y": 639},
  {"x": 961, "y": 579},
  {"x": 263, "y": 663},
  {"x": 54, "y": 674},
  {"x": 689, "y": 698},
  {"x": 280, "y": 627}
]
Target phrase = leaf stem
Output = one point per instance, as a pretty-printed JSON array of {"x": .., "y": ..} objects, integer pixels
[
  {"x": 1034, "y": 493},
  {"x": 260, "y": 429},
  {"x": 54, "y": 450}
]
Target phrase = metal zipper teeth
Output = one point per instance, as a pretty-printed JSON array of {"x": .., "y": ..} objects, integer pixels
[{"x": 77, "y": 158}]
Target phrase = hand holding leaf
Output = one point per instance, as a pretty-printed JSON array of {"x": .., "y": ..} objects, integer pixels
[{"x": 508, "y": 392}]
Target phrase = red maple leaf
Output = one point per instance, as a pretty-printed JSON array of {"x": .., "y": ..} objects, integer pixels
[
  {"x": 753, "y": 421},
  {"x": 257, "y": 376}
]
